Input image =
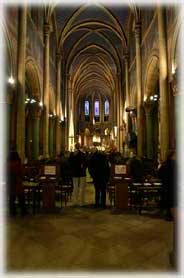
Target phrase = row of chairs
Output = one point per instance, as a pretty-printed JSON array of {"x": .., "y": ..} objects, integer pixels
[
  {"x": 35, "y": 187},
  {"x": 140, "y": 195}
]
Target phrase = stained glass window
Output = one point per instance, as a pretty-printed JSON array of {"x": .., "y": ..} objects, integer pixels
[
  {"x": 97, "y": 108},
  {"x": 106, "y": 108},
  {"x": 86, "y": 108}
]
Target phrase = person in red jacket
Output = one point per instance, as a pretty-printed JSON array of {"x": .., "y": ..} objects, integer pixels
[{"x": 14, "y": 180}]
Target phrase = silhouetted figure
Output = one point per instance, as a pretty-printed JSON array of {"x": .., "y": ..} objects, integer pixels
[
  {"x": 77, "y": 164},
  {"x": 135, "y": 168},
  {"x": 167, "y": 173},
  {"x": 100, "y": 172},
  {"x": 14, "y": 180},
  {"x": 64, "y": 168}
]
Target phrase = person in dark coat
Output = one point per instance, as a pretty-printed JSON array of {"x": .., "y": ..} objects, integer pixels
[
  {"x": 77, "y": 164},
  {"x": 100, "y": 172},
  {"x": 14, "y": 181},
  {"x": 167, "y": 174},
  {"x": 135, "y": 168},
  {"x": 64, "y": 168}
]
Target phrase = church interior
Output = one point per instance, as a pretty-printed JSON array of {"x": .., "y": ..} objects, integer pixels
[{"x": 101, "y": 78}]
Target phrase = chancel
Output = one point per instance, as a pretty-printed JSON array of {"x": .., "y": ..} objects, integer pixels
[{"x": 92, "y": 101}]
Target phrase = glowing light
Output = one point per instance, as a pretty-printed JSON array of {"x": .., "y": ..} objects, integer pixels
[
  {"x": 11, "y": 80},
  {"x": 71, "y": 132},
  {"x": 115, "y": 131},
  {"x": 151, "y": 97},
  {"x": 173, "y": 69},
  {"x": 41, "y": 103},
  {"x": 96, "y": 139},
  {"x": 93, "y": 121},
  {"x": 112, "y": 136},
  {"x": 79, "y": 139}
]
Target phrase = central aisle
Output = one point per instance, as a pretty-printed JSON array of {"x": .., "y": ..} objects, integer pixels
[{"x": 88, "y": 239}]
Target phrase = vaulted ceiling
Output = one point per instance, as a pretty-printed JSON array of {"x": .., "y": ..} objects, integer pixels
[{"x": 92, "y": 39}]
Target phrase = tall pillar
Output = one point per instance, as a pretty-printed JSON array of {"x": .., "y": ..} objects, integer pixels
[
  {"x": 163, "y": 82},
  {"x": 126, "y": 79},
  {"x": 58, "y": 100},
  {"x": 69, "y": 111},
  {"x": 35, "y": 113},
  {"x": 46, "y": 90},
  {"x": 101, "y": 110},
  {"x": 66, "y": 113},
  {"x": 139, "y": 90},
  {"x": 120, "y": 100},
  {"x": 51, "y": 136},
  {"x": 149, "y": 107},
  {"x": 20, "y": 136}
]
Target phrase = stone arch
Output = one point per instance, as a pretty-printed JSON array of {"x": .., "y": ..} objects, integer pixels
[
  {"x": 152, "y": 76},
  {"x": 10, "y": 89},
  {"x": 175, "y": 51},
  {"x": 10, "y": 70},
  {"x": 9, "y": 54},
  {"x": 33, "y": 79}
]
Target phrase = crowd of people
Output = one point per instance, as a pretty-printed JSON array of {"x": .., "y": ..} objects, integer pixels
[{"x": 74, "y": 166}]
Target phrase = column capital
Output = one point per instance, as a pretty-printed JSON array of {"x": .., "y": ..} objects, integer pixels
[
  {"x": 118, "y": 73},
  {"x": 68, "y": 76},
  {"x": 59, "y": 56},
  {"x": 46, "y": 29},
  {"x": 149, "y": 107},
  {"x": 137, "y": 29},
  {"x": 35, "y": 110},
  {"x": 126, "y": 58}
]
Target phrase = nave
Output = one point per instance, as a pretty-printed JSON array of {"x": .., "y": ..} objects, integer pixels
[
  {"x": 88, "y": 239},
  {"x": 106, "y": 78}
]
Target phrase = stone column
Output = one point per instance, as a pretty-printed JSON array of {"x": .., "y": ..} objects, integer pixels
[
  {"x": 126, "y": 79},
  {"x": 46, "y": 78},
  {"x": 149, "y": 107},
  {"x": 118, "y": 110},
  {"x": 101, "y": 110},
  {"x": 22, "y": 29},
  {"x": 139, "y": 90},
  {"x": 35, "y": 115},
  {"x": 120, "y": 100},
  {"x": 58, "y": 100},
  {"x": 163, "y": 81},
  {"x": 69, "y": 107},
  {"x": 51, "y": 136}
]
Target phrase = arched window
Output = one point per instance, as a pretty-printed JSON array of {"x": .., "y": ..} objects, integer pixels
[
  {"x": 97, "y": 110},
  {"x": 86, "y": 108},
  {"x": 106, "y": 110}
]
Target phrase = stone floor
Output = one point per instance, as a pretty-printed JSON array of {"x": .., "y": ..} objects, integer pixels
[{"x": 88, "y": 239}]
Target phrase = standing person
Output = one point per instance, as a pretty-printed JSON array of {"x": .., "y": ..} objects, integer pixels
[
  {"x": 100, "y": 172},
  {"x": 77, "y": 163},
  {"x": 15, "y": 187},
  {"x": 167, "y": 174},
  {"x": 135, "y": 168}
]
